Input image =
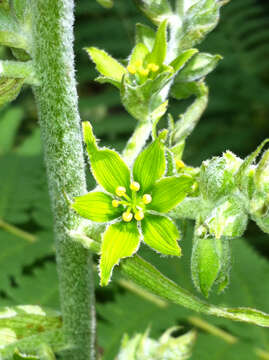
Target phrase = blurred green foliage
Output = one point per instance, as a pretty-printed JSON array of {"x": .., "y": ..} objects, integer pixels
[{"x": 236, "y": 119}]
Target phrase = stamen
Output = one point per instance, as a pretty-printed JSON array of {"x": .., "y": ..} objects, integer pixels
[
  {"x": 131, "y": 69},
  {"x": 127, "y": 216},
  {"x": 153, "y": 67},
  {"x": 135, "y": 186},
  {"x": 147, "y": 199},
  {"x": 120, "y": 191},
  {"x": 139, "y": 215},
  {"x": 115, "y": 203},
  {"x": 180, "y": 164}
]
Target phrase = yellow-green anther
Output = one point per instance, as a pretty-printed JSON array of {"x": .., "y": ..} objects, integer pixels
[
  {"x": 180, "y": 164},
  {"x": 127, "y": 216},
  {"x": 147, "y": 199},
  {"x": 131, "y": 69},
  {"x": 139, "y": 215},
  {"x": 120, "y": 191},
  {"x": 135, "y": 186},
  {"x": 115, "y": 203},
  {"x": 153, "y": 67}
]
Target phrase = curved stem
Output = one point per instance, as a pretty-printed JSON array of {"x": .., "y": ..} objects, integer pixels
[{"x": 60, "y": 128}]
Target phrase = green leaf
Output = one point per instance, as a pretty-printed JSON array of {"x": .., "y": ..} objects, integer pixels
[
  {"x": 182, "y": 59},
  {"x": 146, "y": 35},
  {"x": 161, "y": 234},
  {"x": 155, "y": 10},
  {"x": 9, "y": 123},
  {"x": 120, "y": 240},
  {"x": 108, "y": 168},
  {"x": 158, "y": 54},
  {"x": 26, "y": 327},
  {"x": 106, "y": 3},
  {"x": 96, "y": 206},
  {"x": 106, "y": 65},
  {"x": 142, "y": 347},
  {"x": 199, "y": 66},
  {"x": 139, "y": 53},
  {"x": 149, "y": 166},
  {"x": 170, "y": 191}
]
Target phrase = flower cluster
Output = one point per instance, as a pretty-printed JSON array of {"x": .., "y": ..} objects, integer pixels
[{"x": 132, "y": 203}]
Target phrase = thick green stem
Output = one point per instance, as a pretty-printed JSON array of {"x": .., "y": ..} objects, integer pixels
[{"x": 60, "y": 127}]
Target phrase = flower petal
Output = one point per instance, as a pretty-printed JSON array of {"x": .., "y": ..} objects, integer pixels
[
  {"x": 149, "y": 166},
  {"x": 170, "y": 191},
  {"x": 161, "y": 234},
  {"x": 120, "y": 240},
  {"x": 96, "y": 206},
  {"x": 107, "y": 166}
]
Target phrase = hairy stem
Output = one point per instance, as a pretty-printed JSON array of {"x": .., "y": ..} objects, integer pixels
[{"x": 60, "y": 128}]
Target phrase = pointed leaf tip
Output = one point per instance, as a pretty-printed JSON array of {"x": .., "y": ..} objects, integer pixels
[
  {"x": 120, "y": 240},
  {"x": 106, "y": 64}
]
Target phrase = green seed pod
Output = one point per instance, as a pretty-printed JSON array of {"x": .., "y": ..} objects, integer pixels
[{"x": 210, "y": 263}]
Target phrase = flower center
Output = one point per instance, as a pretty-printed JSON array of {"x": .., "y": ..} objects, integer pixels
[{"x": 134, "y": 205}]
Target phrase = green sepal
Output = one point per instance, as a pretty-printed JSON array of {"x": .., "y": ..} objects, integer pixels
[
  {"x": 259, "y": 210},
  {"x": 120, "y": 240},
  {"x": 199, "y": 19},
  {"x": 105, "y": 80},
  {"x": 183, "y": 90},
  {"x": 109, "y": 170},
  {"x": 158, "y": 54},
  {"x": 182, "y": 59},
  {"x": 199, "y": 66},
  {"x": 96, "y": 206},
  {"x": 156, "y": 11},
  {"x": 9, "y": 89},
  {"x": 245, "y": 175},
  {"x": 150, "y": 165},
  {"x": 169, "y": 192},
  {"x": 106, "y": 64},
  {"x": 227, "y": 219},
  {"x": 145, "y": 35},
  {"x": 139, "y": 53},
  {"x": 261, "y": 176},
  {"x": 216, "y": 178},
  {"x": 161, "y": 234},
  {"x": 141, "y": 100},
  {"x": 11, "y": 33}
]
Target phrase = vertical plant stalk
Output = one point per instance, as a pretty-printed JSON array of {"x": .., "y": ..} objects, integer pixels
[{"x": 60, "y": 128}]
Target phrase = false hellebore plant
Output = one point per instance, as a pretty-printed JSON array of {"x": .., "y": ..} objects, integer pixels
[
  {"x": 136, "y": 199},
  {"x": 142, "y": 194}
]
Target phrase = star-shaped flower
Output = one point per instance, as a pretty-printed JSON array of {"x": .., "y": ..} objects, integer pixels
[{"x": 133, "y": 203}]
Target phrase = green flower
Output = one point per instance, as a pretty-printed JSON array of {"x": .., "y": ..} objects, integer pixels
[{"x": 133, "y": 202}]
